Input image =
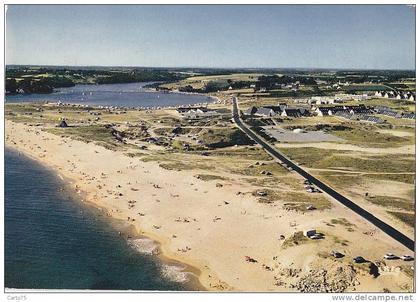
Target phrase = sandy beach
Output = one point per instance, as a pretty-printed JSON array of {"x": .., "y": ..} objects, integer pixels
[{"x": 214, "y": 228}]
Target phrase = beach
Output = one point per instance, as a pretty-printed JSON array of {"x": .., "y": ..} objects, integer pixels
[
  {"x": 56, "y": 241},
  {"x": 214, "y": 228}
]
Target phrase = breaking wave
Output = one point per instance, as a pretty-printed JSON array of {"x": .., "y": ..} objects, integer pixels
[
  {"x": 144, "y": 246},
  {"x": 175, "y": 273}
]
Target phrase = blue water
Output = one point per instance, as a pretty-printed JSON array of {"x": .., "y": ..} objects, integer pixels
[
  {"x": 54, "y": 241},
  {"x": 127, "y": 95}
]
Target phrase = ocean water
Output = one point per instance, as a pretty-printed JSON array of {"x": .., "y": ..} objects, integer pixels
[
  {"x": 128, "y": 95},
  {"x": 55, "y": 241}
]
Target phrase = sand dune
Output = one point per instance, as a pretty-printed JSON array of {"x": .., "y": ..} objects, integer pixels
[{"x": 195, "y": 225}]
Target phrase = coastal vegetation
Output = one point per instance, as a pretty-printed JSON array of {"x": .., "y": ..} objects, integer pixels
[
  {"x": 21, "y": 79},
  {"x": 179, "y": 165}
]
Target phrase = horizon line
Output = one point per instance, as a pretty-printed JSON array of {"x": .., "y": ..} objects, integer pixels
[{"x": 207, "y": 67}]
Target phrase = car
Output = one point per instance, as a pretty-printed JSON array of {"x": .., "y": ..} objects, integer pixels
[
  {"x": 407, "y": 258},
  {"x": 390, "y": 256},
  {"x": 336, "y": 254},
  {"x": 311, "y": 207},
  {"x": 359, "y": 259},
  {"x": 316, "y": 236}
]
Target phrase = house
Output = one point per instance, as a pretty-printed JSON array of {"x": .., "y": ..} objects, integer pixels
[
  {"x": 295, "y": 87},
  {"x": 323, "y": 111},
  {"x": 399, "y": 115},
  {"x": 251, "y": 111},
  {"x": 183, "y": 110},
  {"x": 282, "y": 106},
  {"x": 260, "y": 111},
  {"x": 319, "y": 100},
  {"x": 343, "y": 111},
  {"x": 264, "y": 111},
  {"x": 385, "y": 111},
  {"x": 360, "y": 97},
  {"x": 295, "y": 112},
  {"x": 409, "y": 116},
  {"x": 361, "y": 109},
  {"x": 277, "y": 109},
  {"x": 269, "y": 110},
  {"x": 196, "y": 112}
]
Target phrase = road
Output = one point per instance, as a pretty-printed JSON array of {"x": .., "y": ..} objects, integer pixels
[{"x": 389, "y": 230}]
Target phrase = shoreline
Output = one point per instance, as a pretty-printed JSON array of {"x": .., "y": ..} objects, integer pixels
[
  {"x": 211, "y": 228},
  {"x": 213, "y": 99},
  {"x": 123, "y": 227}
]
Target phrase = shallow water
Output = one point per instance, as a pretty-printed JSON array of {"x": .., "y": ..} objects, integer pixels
[
  {"x": 54, "y": 241},
  {"x": 127, "y": 95}
]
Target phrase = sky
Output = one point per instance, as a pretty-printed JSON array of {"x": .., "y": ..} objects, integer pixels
[{"x": 229, "y": 36}]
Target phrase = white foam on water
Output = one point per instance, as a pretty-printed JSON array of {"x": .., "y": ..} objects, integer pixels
[
  {"x": 144, "y": 246},
  {"x": 174, "y": 273}
]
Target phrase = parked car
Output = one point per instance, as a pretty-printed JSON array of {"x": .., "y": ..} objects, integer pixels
[
  {"x": 391, "y": 256},
  {"x": 407, "y": 258},
  {"x": 310, "y": 233},
  {"x": 359, "y": 259},
  {"x": 316, "y": 236},
  {"x": 336, "y": 254},
  {"x": 311, "y": 207}
]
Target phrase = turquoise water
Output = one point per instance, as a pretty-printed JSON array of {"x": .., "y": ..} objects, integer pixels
[
  {"x": 54, "y": 241},
  {"x": 127, "y": 95}
]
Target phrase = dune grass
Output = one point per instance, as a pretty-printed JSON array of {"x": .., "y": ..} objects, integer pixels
[
  {"x": 98, "y": 134},
  {"x": 408, "y": 218},
  {"x": 392, "y": 202}
]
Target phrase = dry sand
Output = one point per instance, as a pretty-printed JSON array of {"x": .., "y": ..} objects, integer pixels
[{"x": 194, "y": 225}]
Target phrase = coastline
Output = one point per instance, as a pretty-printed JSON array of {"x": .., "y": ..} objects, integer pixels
[
  {"x": 213, "y": 99},
  {"x": 125, "y": 228},
  {"x": 193, "y": 226}
]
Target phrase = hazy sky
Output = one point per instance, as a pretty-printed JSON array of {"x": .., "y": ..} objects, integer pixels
[{"x": 370, "y": 36}]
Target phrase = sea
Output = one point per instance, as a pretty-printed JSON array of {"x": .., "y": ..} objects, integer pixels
[
  {"x": 54, "y": 240},
  {"x": 123, "y": 95}
]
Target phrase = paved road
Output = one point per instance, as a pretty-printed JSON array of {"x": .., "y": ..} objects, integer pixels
[{"x": 392, "y": 232}]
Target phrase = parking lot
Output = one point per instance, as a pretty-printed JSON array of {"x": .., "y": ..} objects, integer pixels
[{"x": 282, "y": 135}]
